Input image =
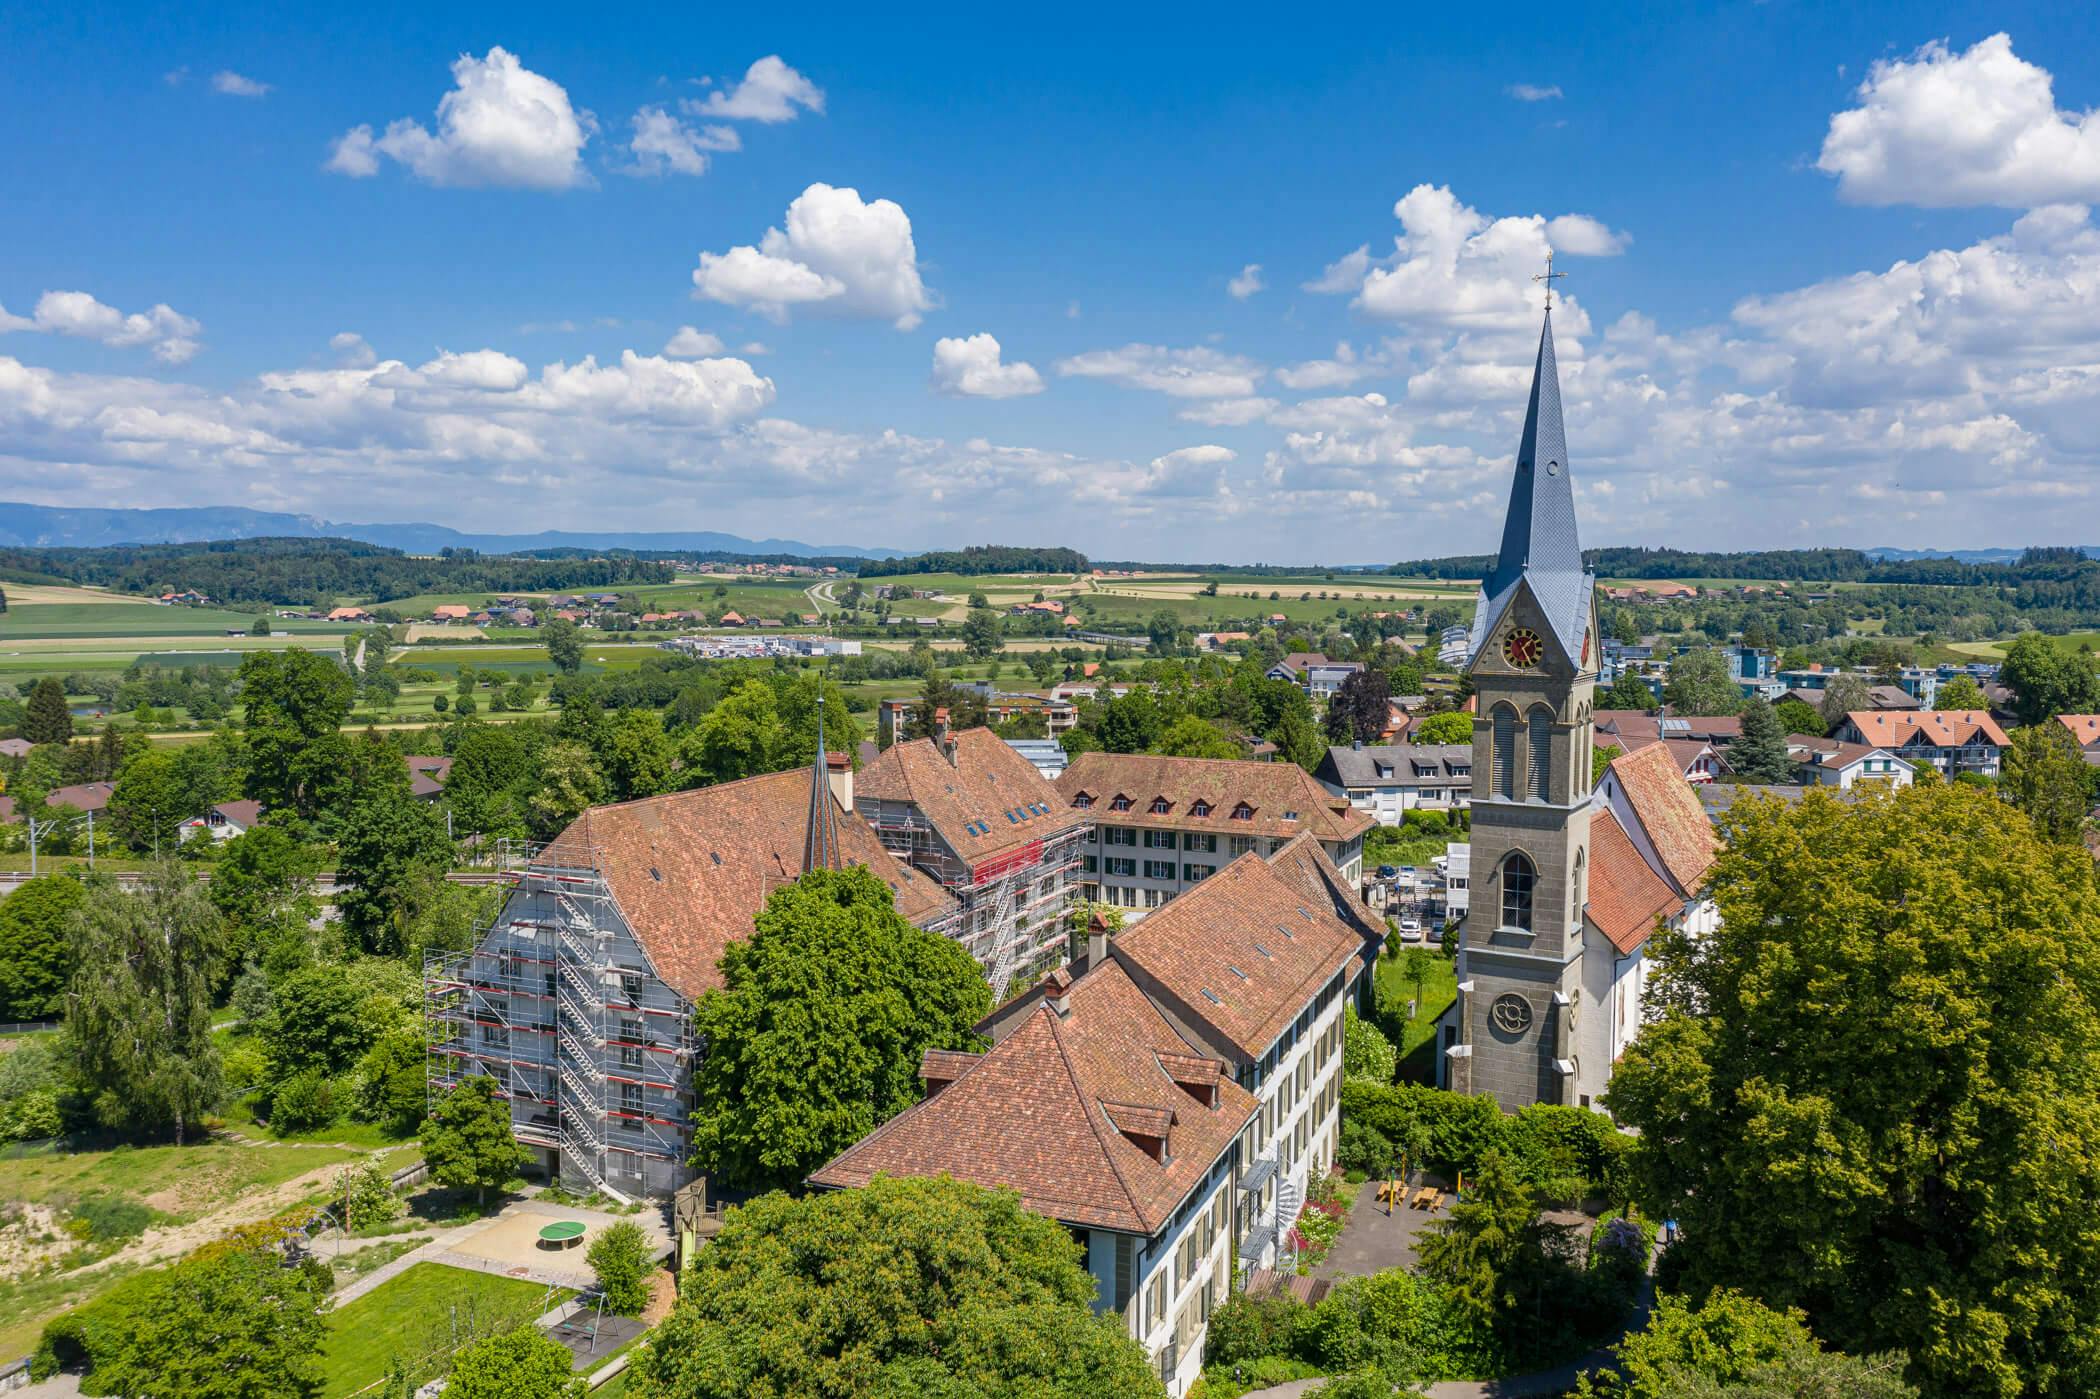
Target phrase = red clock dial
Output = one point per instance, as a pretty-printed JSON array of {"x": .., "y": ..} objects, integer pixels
[{"x": 1523, "y": 648}]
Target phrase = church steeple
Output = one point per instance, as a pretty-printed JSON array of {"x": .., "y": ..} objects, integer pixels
[
  {"x": 820, "y": 842},
  {"x": 1539, "y": 541}
]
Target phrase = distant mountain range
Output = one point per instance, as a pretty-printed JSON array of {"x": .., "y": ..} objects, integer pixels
[
  {"x": 55, "y": 527},
  {"x": 1883, "y": 555}
]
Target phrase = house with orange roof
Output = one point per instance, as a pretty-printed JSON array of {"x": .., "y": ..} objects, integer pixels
[
  {"x": 1954, "y": 741},
  {"x": 2085, "y": 732}
]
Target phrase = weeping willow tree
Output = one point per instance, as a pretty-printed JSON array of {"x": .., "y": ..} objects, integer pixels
[{"x": 138, "y": 1010}]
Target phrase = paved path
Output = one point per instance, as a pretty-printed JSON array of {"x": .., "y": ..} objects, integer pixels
[
  {"x": 445, "y": 1248},
  {"x": 1372, "y": 1240}
]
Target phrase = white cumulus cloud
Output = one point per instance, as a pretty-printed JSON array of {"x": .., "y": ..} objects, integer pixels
[
  {"x": 351, "y": 351},
  {"x": 770, "y": 92},
  {"x": 1198, "y": 372},
  {"x": 1945, "y": 129},
  {"x": 1532, "y": 92},
  {"x": 171, "y": 335},
  {"x": 501, "y": 125},
  {"x": 232, "y": 84},
  {"x": 971, "y": 368},
  {"x": 664, "y": 145},
  {"x": 837, "y": 252},
  {"x": 690, "y": 343},
  {"x": 1247, "y": 283}
]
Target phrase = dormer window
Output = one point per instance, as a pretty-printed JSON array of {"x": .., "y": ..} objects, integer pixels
[
  {"x": 1201, "y": 808},
  {"x": 1161, "y": 806},
  {"x": 1243, "y": 812},
  {"x": 1121, "y": 803},
  {"x": 1290, "y": 815},
  {"x": 1082, "y": 801}
]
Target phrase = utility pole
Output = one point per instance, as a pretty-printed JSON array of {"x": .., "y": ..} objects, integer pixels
[
  {"x": 37, "y": 830},
  {"x": 91, "y": 839}
]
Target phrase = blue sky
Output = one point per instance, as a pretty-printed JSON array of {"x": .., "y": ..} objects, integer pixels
[{"x": 1831, "y": 274}]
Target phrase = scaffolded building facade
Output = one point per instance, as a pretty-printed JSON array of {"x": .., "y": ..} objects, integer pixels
[{"x": 561, "y": 1006}]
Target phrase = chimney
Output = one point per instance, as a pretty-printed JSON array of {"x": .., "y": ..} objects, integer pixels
[
  {"x": 839, "y": 772},
  {"x": 1357, "y": 744},
  {"x": 1057, "y": 992},
  {"x": 942, "y": 738},
  {"x": 1096, "y": 940}
]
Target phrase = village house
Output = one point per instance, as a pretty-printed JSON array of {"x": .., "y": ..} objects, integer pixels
[
  {"x": 1161, "y": 826},
  {"x": 223, "y": 821},
  {"x": 1313, "y": 673},
  {"x": 1388, "y": 780},
  {"x": 2085, "y": 732},
  {"x": 1954, "y": 741},
  {"x": 1827, "y": 762}
]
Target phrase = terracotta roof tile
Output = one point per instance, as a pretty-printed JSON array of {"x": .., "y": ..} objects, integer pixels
[
  {"x": 2085, "y": 728},
  {"x": 1944, "y": 728},
  {"x": 1669, "y": 813},
  {"x": 690, "y": 870},
  {"x": 1247, "y": 949},
  {"x": 1270, "y": 789},
  {"x": 1034, "y": 1114},
  {"x": 990, "y": 801},
  {"x": 1626, "y": 895}
]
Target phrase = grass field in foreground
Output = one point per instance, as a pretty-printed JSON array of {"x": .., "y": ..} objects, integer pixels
[
  {"x": 411, "y": 1316},
  {"x": 182, "y": 1182}
]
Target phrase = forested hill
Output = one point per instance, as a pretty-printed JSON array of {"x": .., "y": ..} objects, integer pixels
[
  {"x": 308, "y": 571},
  {"x": 1795, "y": 565},
  {"x": 980, "y": 558}
]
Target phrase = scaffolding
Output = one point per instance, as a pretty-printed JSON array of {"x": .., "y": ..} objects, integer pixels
[
  {"x": 1013, "y": 904},
  {"x": 559, "y": 1005}
]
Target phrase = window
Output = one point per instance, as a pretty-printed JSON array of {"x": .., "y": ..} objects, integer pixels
[
  {"x": 1120, "y": 835},
  {"x": 1518, "y": 879},
  {"x": 1156, "y": 1299},
  {"x": 510, "y": 966},
  {"x": 1089, "y": 864},
  {"x": 1208, "y": 844},
  {"x": 495, "y": 1036},
  {"x": 631, "y": 1098},
  {"x": 1578, "y": 887},
  {"x": 1082, "y": 801},
  {"x": 1241, "y": 845},
  {"x": 1201, "y": 808},
  {"x": 1159, "y": 869},
  {"x": 1541, "y": 755},
  {"x": 1192, "y": 873},
  {"x": 1505, "y": 751},
  {"x": 630, "y": 1056},
  {"x": 1121, "y": 803},
  {"x": 1126, "y": 868},
  {"x": 1159, "y": 840},
  {"x": 1161, "y": 806},
  {"x": 1243, "y": 812},
  {"x": 1155, "y": 897},
  {"x": 631, "y": 987}
]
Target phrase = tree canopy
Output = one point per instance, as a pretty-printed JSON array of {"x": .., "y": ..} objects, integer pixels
[
  {"x": 33, "y": 956},
  {"x": 904, "y": 1287},
  {"x": 467, "y": 1139},
  {"x": 816, "y": 1033},
  {"x": 1734, "y": 1347},
  {"x": 1760, "y": 755},
  {"x": 2048, "y": 679},
  {"x": 1699, "y": 684},
  {"x": 1454, "y": 727},
  {"x": 1871, "y": 1093},
  {"x": 525, "y": 1363}
]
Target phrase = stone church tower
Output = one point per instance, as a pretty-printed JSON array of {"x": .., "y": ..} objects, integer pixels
[{"x": 1533, "y": 658}]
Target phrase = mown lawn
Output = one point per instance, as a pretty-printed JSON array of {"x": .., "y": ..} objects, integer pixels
[
  {"x": 420, "y": 1316},
  {"x": 1416, "y": 1037}
]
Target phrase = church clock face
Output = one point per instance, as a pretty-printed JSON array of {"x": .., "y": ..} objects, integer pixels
[{"x": 1523, "y": 648}]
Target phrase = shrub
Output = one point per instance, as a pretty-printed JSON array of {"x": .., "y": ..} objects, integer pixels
[
  {"x": 106, "y": 1218},
  {"x": 621, "y": 1259},
  {"x": 370, "y": 1199},
  {"x": 31, "y": 1117},
  {"x": 1366, "y": 1052},
  {"x": 303, "y": 1102}
]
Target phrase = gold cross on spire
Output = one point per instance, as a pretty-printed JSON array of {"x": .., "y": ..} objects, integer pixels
[{"x": 1547, "y": 277}]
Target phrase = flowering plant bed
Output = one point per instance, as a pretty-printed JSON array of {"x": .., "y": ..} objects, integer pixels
[{"x": 1320, "y": 1222}]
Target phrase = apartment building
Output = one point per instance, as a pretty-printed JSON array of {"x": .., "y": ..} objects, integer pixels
[
  {"x": 1388, "y": 780},
  {"x": 578, "y": 998},
  {"x": 1954, "y": 741},
  {"x": 968, "y": 810},
  {"x": 1174, "y": 1100},
  {"x": 1161, "y": 826}
]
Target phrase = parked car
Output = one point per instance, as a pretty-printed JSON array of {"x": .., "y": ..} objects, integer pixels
[
  {"x": 1410, "y": 930},
  {"x": 1388, "y": 871}
]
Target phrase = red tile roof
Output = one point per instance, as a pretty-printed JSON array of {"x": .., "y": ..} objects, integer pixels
[
  {"x": 1037, "y": 1113},
  {"x": 82, "y": 796},
  {"x": 990, "y": 801},
  {"x": 427, "y": 776},
  {"x": 1626, "y": 895},
  {"x": 690, "y": 870},
  {"x": 245, "y": 814},
  {"x": 1669, "y": 813},
  {"x": 1246, "y": 950},
  {"x": 2085, "y": 728},
  {"x": 1944, "y": 728},
  {"x": 1271, "y": 789}
]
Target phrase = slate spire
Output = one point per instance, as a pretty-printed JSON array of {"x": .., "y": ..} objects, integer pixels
[
  {"x": 1539, "y": 542},
  {"x": 820, "y": 842}
]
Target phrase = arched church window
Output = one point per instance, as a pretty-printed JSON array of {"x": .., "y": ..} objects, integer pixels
[
  {"x": 1504, "y": 775},
  {"x": 1540, "y": 724},
  {"x": 1519, "y": 881},
  {"x": 1579, "y": 888}
]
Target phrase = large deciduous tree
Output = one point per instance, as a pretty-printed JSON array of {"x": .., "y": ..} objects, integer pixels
[
  {"x": 903, "y": 1287},
  {"x": 1699, "y": 684},
  {"x": 1454, "y": 727},
  {"x": 982, "y": 633},
  {"x": 564, "y": 643},
  {"x": 1961, "y": 692},
  {"x": 1734, "y": 1347},
  {"x": 815, "y": 1036},
  {"x": 295, "y": 702},
  {"x": 2046, "y": 776},
  {"x": 138, "y": 1009},
  {"x": 388, "y": 839},
  {"x": 1628, "y": 691},
  {"x": 525, "y": 1363},
  {"x": 467, "y": 1140},
  {"x": 1871, "y": 1093},
  {"x": 1845, "y": 694},
  {"x": 33, "y": 956},
  {"x": 2047, "y": 679},
  {"x": 1359, "y": 709}
]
